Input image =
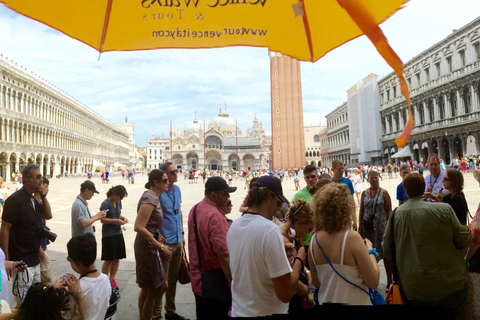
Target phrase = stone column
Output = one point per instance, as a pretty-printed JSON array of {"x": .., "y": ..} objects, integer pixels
[
  {"x": 8, "y": 172},
  {"x": 41, "y": 168},
  {"x": 48, "y": 169},
  {"x": 460, "y": 108}
]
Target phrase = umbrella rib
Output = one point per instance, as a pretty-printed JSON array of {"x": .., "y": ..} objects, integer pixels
[
  {"x": 306, "y": 27},
  {"x": 105, "y": 25}
]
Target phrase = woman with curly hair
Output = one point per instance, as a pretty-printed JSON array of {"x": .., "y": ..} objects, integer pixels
[
  {"x": 298, "y": 223},
  {"x": 350, "y": 255}
]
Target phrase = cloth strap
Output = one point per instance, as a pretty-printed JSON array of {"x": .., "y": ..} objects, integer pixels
[
  {"x": 349, "y": 282},
  {"x": 196, "y": 236}
]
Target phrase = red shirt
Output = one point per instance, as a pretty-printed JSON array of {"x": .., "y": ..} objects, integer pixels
[{"x": 212, "y": 230}]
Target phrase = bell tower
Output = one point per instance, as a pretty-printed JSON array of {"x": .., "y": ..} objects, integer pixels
[{"x": 288, "y": 141}]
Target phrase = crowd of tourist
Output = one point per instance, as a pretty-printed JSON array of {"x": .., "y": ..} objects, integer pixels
[{"x": 281, "y": 256}]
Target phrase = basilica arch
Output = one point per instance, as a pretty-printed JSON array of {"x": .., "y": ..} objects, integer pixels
[
  {"x": 248, "y": 162},
  {"x": 177, "y": 161},
  {"x": 214, "y": 160},
  {"x": 192, "y": 160}
]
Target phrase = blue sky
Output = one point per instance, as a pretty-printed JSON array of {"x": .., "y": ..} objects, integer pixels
[{"x": 150, "y": 87}]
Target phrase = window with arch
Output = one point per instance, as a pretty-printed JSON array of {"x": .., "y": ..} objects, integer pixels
[{"x": 316, "y": 138}]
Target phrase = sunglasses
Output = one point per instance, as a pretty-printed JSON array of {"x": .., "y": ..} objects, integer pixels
[
  {"x": 446, "y": 179},
  {"x": 279, "y": 200},
  {"x": 165, "y": 180},
  {"x": 69, "y": 259},
  {"x": 229, "y": 203},
  {"x": 173, "y": 172}
]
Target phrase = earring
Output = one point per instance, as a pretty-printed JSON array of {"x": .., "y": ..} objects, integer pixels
[{"x": 291, "y": 233}]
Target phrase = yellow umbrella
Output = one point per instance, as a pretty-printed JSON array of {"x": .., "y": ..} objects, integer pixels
[{"x": 303, "y": 29}]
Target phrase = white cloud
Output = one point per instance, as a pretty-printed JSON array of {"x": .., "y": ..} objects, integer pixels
[{"x": 150, "y": 87}]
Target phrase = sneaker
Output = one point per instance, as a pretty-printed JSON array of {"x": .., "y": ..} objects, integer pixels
[
  {"x": 175, "y": 317},
  {"x": 113, "y": 283}
]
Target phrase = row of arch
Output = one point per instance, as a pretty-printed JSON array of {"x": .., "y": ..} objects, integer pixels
[
  {"x": 50, "y": 165},
  {"x": 462, "y": 100},
  {"x": 14, "y": 100},
  {"x": 214, "y": 160},
  {"x": 27, "y": 133},
  {"x": 447, "y": 148}
]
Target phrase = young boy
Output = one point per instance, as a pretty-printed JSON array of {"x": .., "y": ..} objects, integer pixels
[
  {"x": 95, "y": 286},
  {"x": 401, "y": 195}
]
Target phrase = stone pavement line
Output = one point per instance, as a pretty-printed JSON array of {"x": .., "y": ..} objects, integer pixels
[{"x": 64, "y": 191}]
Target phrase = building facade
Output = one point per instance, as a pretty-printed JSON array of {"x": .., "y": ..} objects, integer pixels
[
  {"x": 40, "y": 124},
  {"x": 158, "y": 150},
  {"x": 337, "y": 136},
  {"x": 313, "y": 144},
  {"x": 221, "y": 145},
  {"x": 288, "y": 141},
  {"x": 363, "y": 101},
  {"x": 444, "y": 84}
]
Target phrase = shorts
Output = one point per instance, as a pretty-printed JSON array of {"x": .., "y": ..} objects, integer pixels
[{"x": 24, "y": 280}]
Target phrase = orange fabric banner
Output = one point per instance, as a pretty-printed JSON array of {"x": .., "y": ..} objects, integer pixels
[{"x": 360, "y": 14}]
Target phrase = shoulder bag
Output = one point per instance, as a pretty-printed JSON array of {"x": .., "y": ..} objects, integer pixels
[
  {"x": 394, "y": 294},
  {"x": 214, "y": 283},
  {"x": 184, "y": 272},
  {"x": 375, "y": 297}
]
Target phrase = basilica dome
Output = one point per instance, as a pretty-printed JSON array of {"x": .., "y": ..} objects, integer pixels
[
  {"x": 193, "y": 127},
  {"x": 222, "y": 123}
]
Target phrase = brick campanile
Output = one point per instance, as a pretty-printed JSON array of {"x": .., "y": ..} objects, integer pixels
[{"x": 288, "y": 141}]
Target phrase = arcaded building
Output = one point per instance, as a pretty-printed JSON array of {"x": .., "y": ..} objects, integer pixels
[
  {"x": 444, "y": 83},
  {"x": 40, "y": 124},
  {"x": 313, "y": 144},
  {"x": 337, "y": 136},
  {"x": 288, "y": 142}
]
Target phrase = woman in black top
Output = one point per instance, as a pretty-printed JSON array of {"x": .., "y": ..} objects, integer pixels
[
  {"x": 453, "y": 182},
  {"x": 113, "y": 243}
]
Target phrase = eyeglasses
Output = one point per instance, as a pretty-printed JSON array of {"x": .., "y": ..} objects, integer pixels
[
  {"x": 279, "y": 200},
  {"x": 173, "y": 172}
]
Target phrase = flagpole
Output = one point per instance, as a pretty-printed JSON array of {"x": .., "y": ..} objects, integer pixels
[
  {"x": 171, "y": 147},
  {"x": 236, "y": 138},
  {"x": 204, "y": 159}
]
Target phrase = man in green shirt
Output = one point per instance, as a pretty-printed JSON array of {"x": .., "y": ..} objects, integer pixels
[
  {"x": 428, "y": 238},
  {"x": 310, "y": 175}
]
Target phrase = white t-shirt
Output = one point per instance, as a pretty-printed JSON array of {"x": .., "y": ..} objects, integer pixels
[
  {"x": 257, "y": 254},
  {"x": 96, "y": 299},
  {"x": 4, "y": 294},
  {"x": 3, "y": 191},
  {"x": 19, "y": 186},
  {"x": 433, "y": 184}
]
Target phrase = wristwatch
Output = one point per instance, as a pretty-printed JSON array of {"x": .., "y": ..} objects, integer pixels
[{"x": 162, "y": 247}]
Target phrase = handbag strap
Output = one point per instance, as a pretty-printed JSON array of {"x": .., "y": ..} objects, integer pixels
[
  {"x": 353, "y": 284},
  {"x": 394, "y": 252},
  {"x": 196, "y": 236}
]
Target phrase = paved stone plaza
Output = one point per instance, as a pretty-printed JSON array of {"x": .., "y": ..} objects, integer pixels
[{"x": 63, "y": 192}]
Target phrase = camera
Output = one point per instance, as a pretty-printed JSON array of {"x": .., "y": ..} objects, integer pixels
[{"x": 45, "y": 233}]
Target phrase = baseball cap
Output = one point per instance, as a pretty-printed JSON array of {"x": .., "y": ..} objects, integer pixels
[
  {"x": 88, "y": 185},
  {"x": 218, "y": 184},
  {"x": 274, "y": 185}
]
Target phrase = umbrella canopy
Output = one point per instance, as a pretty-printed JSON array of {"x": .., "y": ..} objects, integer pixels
[
  {"x": 305, "y": 29},
  {"x": 119, "y": 165},
  {"x": 98, "y": 165},
  {"x": 405, "y": 152}
]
